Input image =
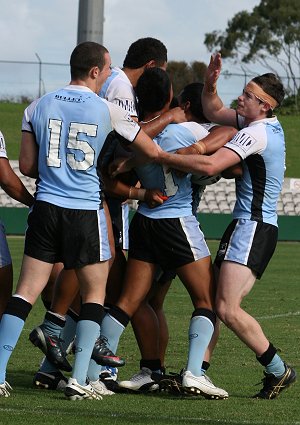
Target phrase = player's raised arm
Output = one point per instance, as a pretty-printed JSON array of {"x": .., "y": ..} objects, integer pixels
[{"x": 213, "y": 106}]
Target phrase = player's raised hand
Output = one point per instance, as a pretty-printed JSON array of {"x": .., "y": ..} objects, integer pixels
[{"x": 213, "y": 71}]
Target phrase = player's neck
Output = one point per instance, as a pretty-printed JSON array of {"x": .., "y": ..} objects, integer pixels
[{"x": 133, "y": 75}]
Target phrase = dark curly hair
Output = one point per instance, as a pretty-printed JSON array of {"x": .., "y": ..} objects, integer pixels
[
  {"x": 153, "y": 90},
  {"x": 143, "y": 51}
]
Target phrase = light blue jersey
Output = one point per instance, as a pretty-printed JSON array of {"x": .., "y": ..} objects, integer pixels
[
  {"x": 262, "y": 148},
  {"x": 69, "y": 150},
  {"x": 156, "y": 176}
]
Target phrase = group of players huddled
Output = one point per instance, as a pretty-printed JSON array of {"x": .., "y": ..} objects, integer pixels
[{"x": 114, "y": 135}]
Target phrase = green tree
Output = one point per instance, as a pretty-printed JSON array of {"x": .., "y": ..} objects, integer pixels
[
  {"x": 182, "y": 74},
  {"x": 269, "y": 36}
]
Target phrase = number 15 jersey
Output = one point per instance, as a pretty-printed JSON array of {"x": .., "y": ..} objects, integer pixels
[{"x": 70, "y": 127}]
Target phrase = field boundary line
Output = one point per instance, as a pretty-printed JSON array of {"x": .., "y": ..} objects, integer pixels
[{"x": 276, "y": 316}]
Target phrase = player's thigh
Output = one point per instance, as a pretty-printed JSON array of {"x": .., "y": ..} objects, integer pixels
[
  {"x": 137, "y": 283},
  {"x": 33, "y": 278},
  {"x": 65, "y": 290},
  {"x": 198, "y": 279},
  {"x": 158, "y": 294},
  {"x": 92, "y": 281},
  {"x": 234, "y": 283}
]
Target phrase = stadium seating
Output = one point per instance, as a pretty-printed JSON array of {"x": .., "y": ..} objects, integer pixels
[{"x": 217, "y": 198}]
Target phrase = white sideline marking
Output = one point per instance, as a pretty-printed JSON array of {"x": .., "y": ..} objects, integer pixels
[{"x": 275, "y": 316}]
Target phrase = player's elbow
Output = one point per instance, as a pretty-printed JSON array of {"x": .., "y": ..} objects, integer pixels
[
  {"x": 210, "y": 169},
  {"x": 27, "y": 169},
  {"x": 23, "y": 167}
]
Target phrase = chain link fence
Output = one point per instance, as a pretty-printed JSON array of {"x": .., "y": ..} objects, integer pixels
[{"x": 27, "y": 80}]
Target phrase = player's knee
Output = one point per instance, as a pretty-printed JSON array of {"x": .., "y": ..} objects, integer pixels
[{"x": 227, "y": 315}]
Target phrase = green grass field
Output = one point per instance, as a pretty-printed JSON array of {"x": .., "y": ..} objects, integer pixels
[
  {"x": 274, "y": 301},
  {"x": 11, "y": 119}
]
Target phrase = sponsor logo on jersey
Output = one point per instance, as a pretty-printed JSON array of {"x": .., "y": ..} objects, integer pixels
[
  {"x": 74, "y": 99},
  {"x": 127, "y": 104},
  {"x": 243, "y": 140}
]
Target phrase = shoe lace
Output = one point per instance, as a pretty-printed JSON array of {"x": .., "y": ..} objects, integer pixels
[
  {"x": 270, "y": 387},
  {"x": 92, "y": 392},
  {"x": 207, "y": 378},
  {"x": 140, "y": 375},
  {"x": 100, "y": 388},
  {"x": 102, "y": 342}
]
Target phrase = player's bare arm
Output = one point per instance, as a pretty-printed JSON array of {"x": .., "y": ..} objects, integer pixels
[
  {"x": 156, "y": 125},
  {"x": 213, "y": 107},
  {"x": 12, "y": 185},
  {"x": 207, "y": 165},
  {"x": 28, "y": 159},
  {"x": 211, "y": 143}
]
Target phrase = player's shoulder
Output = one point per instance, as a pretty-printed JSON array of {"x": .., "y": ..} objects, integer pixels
[
  {"x": 116, "y": 82},
  {"x": 198, "y": 130},
  {"x": 257, "y": 130}
]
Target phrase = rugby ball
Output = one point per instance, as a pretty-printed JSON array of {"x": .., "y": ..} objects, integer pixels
[{"x": 205, "y": 180}]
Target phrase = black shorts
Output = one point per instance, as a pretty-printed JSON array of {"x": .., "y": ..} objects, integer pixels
[
  {"x": 119, "y": 213},
  {"x": 74, "y": 237},
  {"x": 248, "y": 242},
  {"x": 168, "y": 242}
]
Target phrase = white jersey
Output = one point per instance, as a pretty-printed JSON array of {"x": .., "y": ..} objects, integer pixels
[
  {"x": 3, "y": 153},
  {"x": 118, "y": 89},
  {"x": 70, "y": 126}
]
